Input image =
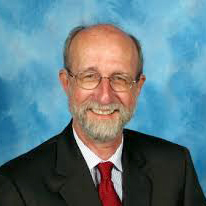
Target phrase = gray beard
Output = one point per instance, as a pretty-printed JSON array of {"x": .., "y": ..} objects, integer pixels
[{"x": 104, "y": 130}]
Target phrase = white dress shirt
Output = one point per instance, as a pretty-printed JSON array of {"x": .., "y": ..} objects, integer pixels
[{"x": 93, "y": 160}]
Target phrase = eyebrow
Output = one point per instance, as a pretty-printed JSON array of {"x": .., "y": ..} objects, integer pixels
[
  {"x": 121, "y": 73},
  {"x": 95, "y": 69}
]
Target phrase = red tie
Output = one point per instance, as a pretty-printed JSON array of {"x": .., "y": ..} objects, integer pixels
[{"x": 107, "y": 193}]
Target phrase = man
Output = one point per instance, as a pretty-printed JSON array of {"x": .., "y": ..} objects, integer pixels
[{"x": 94, "y": 161}]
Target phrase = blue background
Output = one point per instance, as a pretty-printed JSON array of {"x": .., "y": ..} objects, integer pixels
[{"x": 172, "y": 104}]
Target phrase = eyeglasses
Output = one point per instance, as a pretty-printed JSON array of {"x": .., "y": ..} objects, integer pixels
[{"x": 89, "y": 80}]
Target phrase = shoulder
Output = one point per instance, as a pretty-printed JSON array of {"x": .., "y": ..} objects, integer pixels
[
  {"x": 153, "y": 148},
  {"x": 141, "y": 138},
  {"x": 31, "y": 161},
  {"x": 39, "y": 160}
]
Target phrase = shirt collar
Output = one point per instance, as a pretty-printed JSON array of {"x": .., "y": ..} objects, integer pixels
[{"x": 93, "y": 160}]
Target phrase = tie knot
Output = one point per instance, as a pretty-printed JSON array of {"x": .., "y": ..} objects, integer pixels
[{"x": 105, "y": 169}]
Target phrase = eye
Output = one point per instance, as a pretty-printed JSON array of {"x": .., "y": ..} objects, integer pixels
[
  {"x": 89, "y": 76},
  {"x": 120, "y": 79}
]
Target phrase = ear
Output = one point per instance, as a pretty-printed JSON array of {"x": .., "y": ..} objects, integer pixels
[
  {"x": 64, "y": 79},
  {"x": 140, "y": 83}
]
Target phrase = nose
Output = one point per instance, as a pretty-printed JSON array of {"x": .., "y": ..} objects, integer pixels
[{"x": 104, "y": 92}]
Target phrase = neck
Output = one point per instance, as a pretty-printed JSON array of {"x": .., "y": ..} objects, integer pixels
[{"x": 104, "y": 150}]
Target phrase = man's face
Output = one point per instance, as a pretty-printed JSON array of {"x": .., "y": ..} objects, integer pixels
[{"x": 101, "y": 113}]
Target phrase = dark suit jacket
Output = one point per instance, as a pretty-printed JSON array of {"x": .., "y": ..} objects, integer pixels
[{"x": 155, "y": 173}]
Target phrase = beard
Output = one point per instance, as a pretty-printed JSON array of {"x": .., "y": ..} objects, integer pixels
[{"x": 103, "y": 130}]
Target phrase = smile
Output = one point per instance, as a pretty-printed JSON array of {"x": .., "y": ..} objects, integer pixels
[{"x": 102, "y": 112}]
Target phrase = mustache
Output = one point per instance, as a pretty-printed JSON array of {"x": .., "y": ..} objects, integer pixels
[{"x": 95, "y": 105}]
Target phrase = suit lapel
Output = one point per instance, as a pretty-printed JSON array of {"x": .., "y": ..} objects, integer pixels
[
  {"x": 72, "y": 180},
  {"x": 137, "y": 175},
  {"x": 71, "y": 176}
]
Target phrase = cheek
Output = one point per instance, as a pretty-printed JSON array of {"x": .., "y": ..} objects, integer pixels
[
  {"x": 127, "y": 99},
  {"x": 78, "y": 95}
]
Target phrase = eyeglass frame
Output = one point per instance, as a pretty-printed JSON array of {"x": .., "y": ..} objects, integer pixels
[{"x": 75, "y": 76}]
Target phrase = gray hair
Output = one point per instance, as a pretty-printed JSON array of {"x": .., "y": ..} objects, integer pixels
[{"x": 78, "y": 29}]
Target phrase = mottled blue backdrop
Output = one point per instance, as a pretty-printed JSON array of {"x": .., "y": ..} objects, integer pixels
[{"x": 172, "y": 104}]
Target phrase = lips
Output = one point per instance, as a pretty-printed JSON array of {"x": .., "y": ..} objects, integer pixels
[{"x": 103, "y": 112}]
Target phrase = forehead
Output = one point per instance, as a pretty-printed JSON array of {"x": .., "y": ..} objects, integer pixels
[{"x": 95, "y": 47}]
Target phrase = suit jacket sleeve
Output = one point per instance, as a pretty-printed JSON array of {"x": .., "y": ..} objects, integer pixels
[
  {"x": 193, "y": 194},
  {"x": 9, "y": 196}
]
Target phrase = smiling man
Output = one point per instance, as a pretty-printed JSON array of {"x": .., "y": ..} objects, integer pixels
[
  {"x": 102, "y": 82},
  {"x": 94, "y": 161}
]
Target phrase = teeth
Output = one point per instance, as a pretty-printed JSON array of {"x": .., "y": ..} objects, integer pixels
[{"x": 103, "y": 112}]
